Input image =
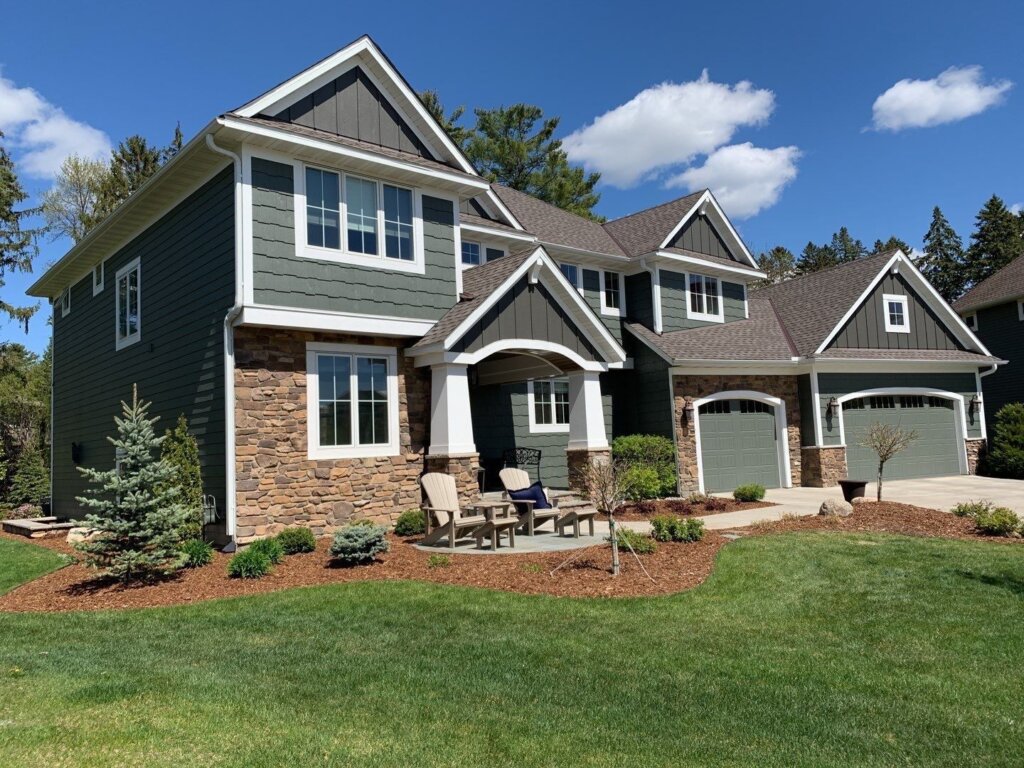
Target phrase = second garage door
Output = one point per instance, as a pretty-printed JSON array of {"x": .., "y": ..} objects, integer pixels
[
  {"x": 738, "y": 444},
  {"x": 935, "y": 452}
]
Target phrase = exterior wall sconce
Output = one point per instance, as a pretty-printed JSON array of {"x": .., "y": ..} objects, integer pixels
[
  {"x": 688, "y": 412},
  {"x": 833, "y": 406},
  {"x": 976, "y": 402},
  {"x": 76, "y": 453}
]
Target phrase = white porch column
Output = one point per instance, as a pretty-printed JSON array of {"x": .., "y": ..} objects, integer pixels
[
  {"x": 451, "y": 423},
  {"x": 586, "y": 414}
]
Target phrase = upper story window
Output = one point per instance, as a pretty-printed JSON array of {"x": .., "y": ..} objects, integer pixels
[
  {"x": 97, "y": 278},
  {"x": 65, "y": 302},
  {"x": 897, "y": 316},
  {"x": 1020, "y": 310},
  {"x": 470, "y": 253},
  {"x": 612, "y": 301},
  {"x": 127, "y": 305},
  {"x": 705, "y": 298},
  {"x": 360, "y": 221},
  {"x": 549, "y": 405},
  {"x": 972, "y": 321},
  {"x": 574, "y": 275}
]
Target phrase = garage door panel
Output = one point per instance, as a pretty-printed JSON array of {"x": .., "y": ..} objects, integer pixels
[{"x": 738, "y": 445}]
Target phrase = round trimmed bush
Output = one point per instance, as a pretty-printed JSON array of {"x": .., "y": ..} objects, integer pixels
[
  {"x": 749, "y": 492},
  {"x": 999, "y": 522},
  {"x": 359, "y": 543},
  {"x": 249, "y": 564},
  {"x": 197, "y": 553},
  {"x": 412, "y": 522},
  {"x": 641, "y": 543},
  {"x": 653, "y": 459},
  {"x": 972, "y": 508},
  {"x": 296, "y": 540},
  {"x": 271, "y": 548}
]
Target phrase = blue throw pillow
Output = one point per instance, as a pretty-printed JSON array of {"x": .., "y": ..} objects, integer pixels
[{"x": 535, "y": 493}]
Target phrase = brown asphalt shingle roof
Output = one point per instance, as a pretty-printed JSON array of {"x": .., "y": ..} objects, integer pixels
[
  {"x": 904, "y": 354},
  {"x": 642, "y": 232},
  {"x": 1005, "y": 285},
  {"x": 480, "y": 221}
]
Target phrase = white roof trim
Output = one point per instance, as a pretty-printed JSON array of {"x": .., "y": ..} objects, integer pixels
[
  {"x": 701, "y": 205},
  {"x": 335, "y": 65},
  {"x": 496, "y": 201},
  {"x": 498, "y": 232},
  {"x": 679, "y": 258}
]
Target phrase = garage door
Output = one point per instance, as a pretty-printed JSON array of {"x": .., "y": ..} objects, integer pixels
[
  {"x": 738, "y": 444},
  {"x": 934, "y": 453}
]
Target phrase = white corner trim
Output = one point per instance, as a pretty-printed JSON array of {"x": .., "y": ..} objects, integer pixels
[
  {"x": 981, "y": 408},
  {"x": 340, "y": 322},
  {"x": 543, "y": 429},
  {"x": 903, "y": 301},
  {"x": 120, "y": 343},
  {"x": 819, "y": 440}
]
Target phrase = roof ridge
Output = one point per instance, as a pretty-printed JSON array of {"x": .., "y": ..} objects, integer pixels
[
  {"x": 654, "y": 207},
  {"x": 782, "y": 327},
  {"x": 833, "y": 268}
]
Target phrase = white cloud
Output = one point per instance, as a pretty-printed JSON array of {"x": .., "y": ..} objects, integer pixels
[
  {"x": 745, "y": 179},
  {"x": 955, "y": 94},
  {"x": 666, "y": 125},
  {"x": 41, "y": 134},
  {"x": 1016, "y": 208}
]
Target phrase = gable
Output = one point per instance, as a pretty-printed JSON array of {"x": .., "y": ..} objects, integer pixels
[
  {"x": 353, "y": 107},
  {"x": 527, "y": 312},
  {"x": 866, "y": 328},
  {"x": 700, "y": 236}
]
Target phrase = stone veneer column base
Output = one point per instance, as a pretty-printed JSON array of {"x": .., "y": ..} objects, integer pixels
[
  {"x": 824, "y": 466},
  {"x": 975, "y": 449},
  {"x": 463, "y": 467},
  {"x": 578, "y": 459}
]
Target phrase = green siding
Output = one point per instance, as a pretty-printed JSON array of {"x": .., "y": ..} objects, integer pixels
[
  {"x": 592, "y": 294},
  {"x": 650, "y": 400},
  {"x": 673, "y": 302},
  {"x": 281, "y": 278},
  {"x": 839, "y": 384},
  {"x": 640, "y": 299},
  {"x": 700, "y": 236},
  {"x": 1002, "y": 332},
  {"x": 187, "y": 287},
  {"x": 806, "y": 399}
]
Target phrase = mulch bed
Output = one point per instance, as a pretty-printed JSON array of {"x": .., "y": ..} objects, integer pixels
[
  {"x": 645, "y": 510},
  {"x": 675, "y": 567}
]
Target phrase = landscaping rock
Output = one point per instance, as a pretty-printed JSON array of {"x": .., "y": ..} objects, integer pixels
[
  {"x": 836, "y": 507},
  {"x": 76, "y": 535}
]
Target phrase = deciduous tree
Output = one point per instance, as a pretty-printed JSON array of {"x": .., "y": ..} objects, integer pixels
[
  {"x": 886, "y": 440},
  {"x": 70, "y": 205}
]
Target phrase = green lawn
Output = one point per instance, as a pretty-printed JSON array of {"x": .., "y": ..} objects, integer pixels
[
  {"x": 814, "y": 649},
  {"x": 23, "y": 562}
]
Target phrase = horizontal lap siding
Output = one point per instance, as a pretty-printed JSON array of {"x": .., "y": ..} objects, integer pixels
[
  {"x": 281, "y": 278},
  {"x": 639, "y": 299},
  {"x": 651, "y": 398},
  {"x": 1002, "y": 332},
  {"x": 187, "y": 286},
  {"x": 673, "y": 302},
  {"x": 592, "y": 295}
]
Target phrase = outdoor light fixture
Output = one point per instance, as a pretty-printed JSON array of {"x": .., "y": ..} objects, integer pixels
[
  {"x": 688, "y": 412},
  {"x": 76, "y": 453},
  {"x": 976, "y": 402},
  {"x": 833, "y": 406}
]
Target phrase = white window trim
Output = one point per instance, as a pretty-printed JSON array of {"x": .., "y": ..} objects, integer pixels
[
  {"x": 484, "y": 246},
  {"x": 314, "y": 449},
  {"x": 97, "y": 287},
  {"x": 342, "y": 255},
  {"x": 65, "y": 302},
  {"x": 898, "y": 298},
  {"x": 619, "y": 311},
  {"x": 579, "y": 276},
  {"x": 482, "y": 254},
  {"x": 127, "y": 341},
  {"x": 543, "y": 429},
  {"x": 972, "y": 319},
  {"x": 707, "y": 317}
]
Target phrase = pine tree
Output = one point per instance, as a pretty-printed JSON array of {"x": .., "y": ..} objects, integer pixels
[
  {"x": 181, "y": 452},
  {"x": 846, "y": 248},
  {"x": 450, "y": 122},
  {"x": 814, "y": 258},
  {"x": 943, "y": 259},
  {"x": 17, "y": 241},
  {"x": 135, "y": 508},
  {"x": 891, "y": 245},
  {"x": 996, "y": 241},
  {"x": 778, "y": 264},
  {"x": 31, "y": 481}
]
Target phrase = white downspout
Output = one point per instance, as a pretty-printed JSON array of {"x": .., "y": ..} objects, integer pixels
[
  {"x": 229, "y": 347},
  {"x": 655, "y": 292}
]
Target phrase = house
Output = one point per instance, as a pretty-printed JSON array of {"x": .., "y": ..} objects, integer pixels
[
  {"x": 994, "y": 311},
  {"x": 337, "y": 301}
]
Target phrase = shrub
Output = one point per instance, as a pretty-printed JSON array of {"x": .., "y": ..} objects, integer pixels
[
  {"x": 31, "y": 481},
  {"x": 714, "y": 504},
  {"x": 180, "y": 450},
  {"x": 650, "y": 462},
  {"x": 696, "y": 499},
  {"x": 641, "y": 543},
  {"x": 998, "y": 522},
  {"x": 296, "y": 540},
  {"x": 271, "y": 548},
  {"x": 438, "y": 561},
  {"x": 249, "y": 564},
  {"x": 357, "y": 543},
  {"x": 669, "y": 528},
  {"x": 1006, "y": 457},
  {"x": 197, "y": 553},
  {"x": 972, "y": 508},
  {"x": 412, "y": 522},
  {"x": 749, "y": 492}
]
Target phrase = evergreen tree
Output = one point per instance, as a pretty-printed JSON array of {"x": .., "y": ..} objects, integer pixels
[
  {"x": 135, "y": 508},
  {"x": 1006, "y": 457},
  {"x": 778, "y": 264},
  {"x": 814, "y": 258},
  {"x": 943, "y": 259},
  {"x": 181, "y": 452},
  {"x": 174, "y": 147},
  {"x": 31, "y": 481},
  {"x": 996, "y": 241},
  {"x": 450, "y": 122},
  {"x": 892, "y": 244},
  {"x": 17, "y": 241},
  {"x": 846, "y": 248}
]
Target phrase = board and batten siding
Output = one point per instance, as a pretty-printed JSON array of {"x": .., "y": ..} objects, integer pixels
[
  {"x": 284, "y": 279},
  {"x": 187, "y": 286},
  {"x": 700, "y": 236},
  {"x": 866, "y": 329},
  {"x": 673, "y": 302},
  {"x": 839, "y": 384},
  {"x": 1002, "y": 332}
]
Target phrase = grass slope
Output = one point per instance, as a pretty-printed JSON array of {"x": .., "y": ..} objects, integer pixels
[
  {"x": 21, "y": 562},
  {"x": 801, "y": 650}
]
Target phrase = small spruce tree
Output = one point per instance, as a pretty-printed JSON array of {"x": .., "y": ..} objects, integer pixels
[
  {"x": 1006, "y": 457},
  {"x": 134, "y": 507},
  {"x": 181, "y": 451},
  {"x": 31, "y": 481}
]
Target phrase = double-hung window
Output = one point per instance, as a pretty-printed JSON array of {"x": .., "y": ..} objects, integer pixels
[
  {"x": 897, "y": 316},
  {"x": 549, "y": 405},
  {"x": 573, "y": 274},
  {"x": 361, "y": 200},
  {"x": 65, "y": 302},
  {"x": 611, "y": 293},
  {"x": 97, "y": 278},
  {"x": 322, "y": 206},
  {"x": 128, "y": 305},
  {"x": 352, "y": 401},
  {"x": 705, "y": 300},
  {"x": 470, "y": 253}
]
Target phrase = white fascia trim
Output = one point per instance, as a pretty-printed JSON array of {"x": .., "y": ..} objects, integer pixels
[
  {"x": 512, "y": 220},
  {"x": 331, "y": 67},
  {"x": 819, "y": 439},
  {"x": 350, "y": 152},
  {"x": 340, "y": 322},
  {"x": 542, "y": 429},
  {"x": 896, "y": 298},
  {"x": 701, "y": 204},
  {"x": 619, "y": 311},
  {"x": 591, "y": 255},
  {"x": 781, "y": 430},
  {"x": 874, "y": 365},
  {"x": 495, "y": 232},
  {"x": 505, "y": 345},
  {"x": 709, "y": 266}
]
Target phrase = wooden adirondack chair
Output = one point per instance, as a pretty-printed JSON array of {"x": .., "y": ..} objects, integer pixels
[
  {"x": 445, "y": 518},
  {"x": 514, "y": 479}
]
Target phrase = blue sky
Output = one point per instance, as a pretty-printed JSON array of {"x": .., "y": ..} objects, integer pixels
[{"x": 783, "y": 123}]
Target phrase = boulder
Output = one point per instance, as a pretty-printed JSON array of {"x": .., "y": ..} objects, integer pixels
[
  {"x": 76, "y": 535},
  {"x": 836, "y": 507}
]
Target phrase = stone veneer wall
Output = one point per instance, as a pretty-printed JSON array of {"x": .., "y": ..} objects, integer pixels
[
  {"x": 823, "y": 467},
  {"x": 463, "y": 467},
  {"x": 578, "y": 459},
  {"x": 277, "y": 484},
  {"x": 689, "y": 388},
  {"x": 975, "y": 449}
]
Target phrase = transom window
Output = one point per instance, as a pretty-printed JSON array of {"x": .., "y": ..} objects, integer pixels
[
  {"x": 611, "y": 293},
  {"x": 883, "y": 402},
  {"x": 353, "y": 404},
  {"x": 911, "y": 401},
  {"x": 755, "y": 406},
  {"x": 549, "y": 405},
  {"x": 897, "y": 316},
  {"x": 470, "y": 253},
  {"x": 127, "y": 305},
  {"x": 705, "y": 300},
  {"x": 715, "y": 406}
]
